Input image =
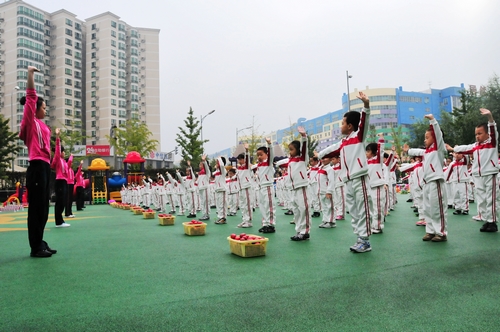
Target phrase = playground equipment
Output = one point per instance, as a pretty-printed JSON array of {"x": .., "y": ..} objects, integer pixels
[
  {"x": 98, "y": 175},
  {"x": 115, "y": 182},
  {"x": 14, "y": 198},
  {"x": 134, "y": 157}
]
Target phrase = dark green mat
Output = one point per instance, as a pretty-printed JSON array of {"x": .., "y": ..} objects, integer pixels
[{"x": 118, "y": 272}]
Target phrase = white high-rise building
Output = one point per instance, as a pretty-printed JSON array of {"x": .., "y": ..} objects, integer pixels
[{"x": 95, "y": 73}]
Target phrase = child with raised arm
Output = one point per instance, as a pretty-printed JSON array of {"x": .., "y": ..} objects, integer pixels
[
  {"x": 375, "y": 156},
  {"x": 484, "y": 170},
  {"x": 190, "y": 191},
  {"x": 220, "y": 190},
  {"x": 80, "y": 187},
  {"x": 299, "y": 183},
  {"x": 245, "y": 180},
  {"x": 36, "y": 135},
  {"x": 355, "y": 172},
  {"x": 434, "y": 192},
  {"x": 265, "y": 178},
  {"x": 203, "y": 182},
  {"x": 326, "y": 188}
]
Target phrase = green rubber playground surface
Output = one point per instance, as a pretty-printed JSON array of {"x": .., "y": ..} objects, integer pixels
[{"x": 115, "y": 271}]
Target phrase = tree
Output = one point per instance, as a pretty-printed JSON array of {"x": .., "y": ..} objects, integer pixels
[
  {"x": 398, "y": 139},
  {"x": 371, "y": 136},
  {"x": 8, "y": 145},
  {"x": 188, "y": 140},
  {"x": 133, "y": 135},
  {"x": 492, "y": 96},
  {"x": 312, "y": 144}
]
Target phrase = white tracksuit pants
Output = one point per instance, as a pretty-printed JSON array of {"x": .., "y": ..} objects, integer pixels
[
  {"x": 339, "y": 201},
  {"x": 327, "y": 209},
  {"x": 300, "y": 207},
  {"x": 378, "y": 207},
  {"x": 435, "y": 207},
  {"x": 246, "y": 204},
  {"x": 313, "y": 197},
  {"x": 460, "y": 196},
  {"x": 359, "y": 204},
  {"x": 267, "y": 206},
  {"x": 221, "y": 204},
  {"x": 487, "y": 197},
  {"x": 204, "y": 202}
]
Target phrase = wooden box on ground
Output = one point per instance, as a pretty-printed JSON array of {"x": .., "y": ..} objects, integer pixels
[
  {"x": 248, "y": 248},
  {"x": 148, "y": 215},
  {"x": 167, "y": 221}
]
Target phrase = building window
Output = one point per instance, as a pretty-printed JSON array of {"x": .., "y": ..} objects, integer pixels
[
  {"x": 68, "y": 102},
  {"x": 67, "y": 122},
  {"x": 93, "y": 45},
  {"x": 113, "y": 53},
  {"x": 113, "y": 43},
  {"x": 69, "y": 32},
  {"x": 69, "y": 22},
  {"x": 92, "y": 103},
  {"x": 113, "y": 111},
  {"x": 92, "y": 124},
  {"x": 113, "y": 33},
  {"x": 113, "y": 82},
  {"x": 68, "y": 51},
  {"x": 113, "y": 92},
  {"x": 68, "y": 71},
  {"x": 93, "y": 74},
  {"x": 93, "y": 94},
  {"x": 68, "y": 92},
  {"x": 94, "y": 26},
  {"x": 68, "y": 42},
  {"x": 68, "y": 62},
  {"x": 92, "y": 114},
  {"x": 68, "y": 81},
  {"x": 78, "y": 26},
  {"x": 113, "y": 102},
  {"x": 93, "y": 55},
  {"x": 68, "y": 112},
  {"x": 113, "y": 24},
  {"x": 113, "y": 62},
  {"x": 93, "y": 36},
  {"x": 113, "y": 72}
]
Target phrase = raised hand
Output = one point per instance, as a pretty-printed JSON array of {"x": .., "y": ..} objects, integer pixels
[
  {"x": 486, "y": 113},
  {"x": 33, "y": 69},
  {"x": 429, "y": 116},
  {"x": 188, "y": 162},
  {"x": 302, "y": 131},
  {"x": 364, "y": 98},
  {"x": 245, "y": 146},
  {"x": 448, "y": 147},
  {"x": 268, "y": 140},
  {"x": 58, "y": 131},
  {"x": 204, "y": 157}
]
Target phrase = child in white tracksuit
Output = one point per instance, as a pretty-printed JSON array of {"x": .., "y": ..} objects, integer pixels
[
  {"x": 203, "y": 181},
  {"x": 313, "y": 186},
  {"x": 339, "y": 194},
  {"x": 457, "y": 176},
  {"x": 299, "y": 182},
  {"x": 326, "y": 188},
  {"x": 485, "y": 171},
  {"x": 434, "y": 192},
  {"x": 265, "y": 178},
  {"x": 353, "y": 160},
  {"x": 375, "y": 155},
  {"x": 245, "y": 179},
  {"x": 220, "y": 191}
]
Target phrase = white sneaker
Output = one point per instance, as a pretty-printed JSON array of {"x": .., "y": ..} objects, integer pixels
[
  {"x": 329, "y": 225},
  {"x": 323, "y": 225},
  {"x": 246, "y": 224},
  {"x": 70, "y": 216},
  {"x": 63, "y": 225},
  {"x": 241, "y": 224},
  {"x": 477, "y": 218}
]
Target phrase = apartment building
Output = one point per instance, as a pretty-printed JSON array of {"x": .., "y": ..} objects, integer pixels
[{"x": 95, "y": 73}]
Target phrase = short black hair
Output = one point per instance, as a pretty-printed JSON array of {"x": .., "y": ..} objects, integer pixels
[
  {"x": 483, "y": 125},
  {"x": 223, "y": 160},
  {"x": 315, "y": 158},
  {"x": 373, "y": 147},
  {"x": 352, "y": 118},
  {"x": 263, "y": 149},
  {"x": 296, "y": 145},
  {"x": 241, "y": 156}
]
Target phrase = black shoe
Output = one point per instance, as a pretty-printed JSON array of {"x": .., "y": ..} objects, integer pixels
[
  {"x": 300, "y": 237},
  {"x": 315, "y": 214},
  {"x": 471, "y": 201},
  {"x": 253, "y": 209},
  {"x": 466, "y": 212},
  {"x": 213, "y": 207},
  {"x": 457, "y": 212},
  {"x": 41, "y": 254},
  {"x": 268, "y": 229},
  {"x": 191, "y": 215},
  {"x": 489, "y": 227},
  {"x": 49, "y": 249},
  {"x": 289, "y": 213},
  {"x": 172, "y": 212},
  {"x": 158, "y": 209},
  {"x": 450, "y": 206},
  {"x": 409, "y": 200},
  {"x": 415, "y": 210}
]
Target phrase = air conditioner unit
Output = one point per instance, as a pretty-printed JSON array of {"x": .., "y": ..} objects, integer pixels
[
  {"x": 1, "y": 20},
  {"x": 96, "y": 97},
  {"x": 97, "y": 108},
  {"x": 143, "y": 40},
  {"x": 97, "y": 48},
  {"x": 1, "y": 30},
  {"x": 97, "y": 29},
  {"x": 97, "y": 137},
  {"x": 53, "y": 27},
  {"x": 96, "y": 127},
  {"x": 53, "y": 46},
  {"x": 53, "y": 56},
  {"x": 97, "y": 117},
  {"x": 97, "y": 77},
  {"x": 143, "y": 58},
  {"x": 53, "y": 87},
  {"x": 52, "y": 117}
]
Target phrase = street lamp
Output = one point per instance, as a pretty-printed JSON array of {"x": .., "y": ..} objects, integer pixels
[
  {"x": 201, "y": 129},
  {"x": 237, "y": 131},
  {"x": 12, "y": 119},
  {"x": 348, "y": 98}
]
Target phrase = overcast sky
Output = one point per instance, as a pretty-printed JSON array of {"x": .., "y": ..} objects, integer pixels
[{"x": 276, "y": 61}]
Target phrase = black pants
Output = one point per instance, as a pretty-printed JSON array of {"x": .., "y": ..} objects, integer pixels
[
  {"x": 61, "y": 187},
  {"x": 79, "y": 198},
  {"x": 69, "y": 203},
  {"x": 37, "y": 183}
]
